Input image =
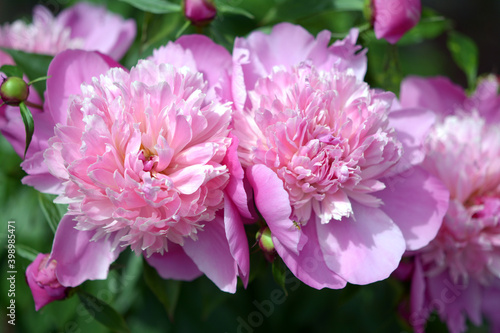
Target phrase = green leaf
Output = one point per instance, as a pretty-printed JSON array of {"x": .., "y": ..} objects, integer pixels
[
  {"x": 431, "y": 25},
  {"x": 167, "y": 291},
  {"x": 465, "y": 54},
  {"x": 103, "y": 313},
  {"x": 29, "y": 125},
  {"x": 279, "y": 273},
  {"x": 33, "y": 65},
  {"x": 349, "y": 4},
  {"x": 226, "y": 9},
  {"x": 10, "y": 70},
  {"x": 155, "y": 6},
  {"x": 52, "y": 213},
  {"x": 26, "y": 252}
]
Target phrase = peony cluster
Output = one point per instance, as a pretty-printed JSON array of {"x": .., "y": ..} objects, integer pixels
[
  {"x": 174, "y": 156},
  {"x": 458, "y": 273}
]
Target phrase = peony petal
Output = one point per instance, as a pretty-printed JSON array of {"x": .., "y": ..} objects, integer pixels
[
  {"x": 309, "y": 266},
  {"x": 174, "y": 264},
  {"x": 236, "y": 236},
  {"x": 454, "y": 301},
  {"x": 417, "y": 202},
  {"x": 438, "y": 94},
  {"x": 273, "y": 204},
  {"x": 235, "y": 188},
  {"x": 189, "y": 179},
  {"x": 211, "y": 253},
  {"x": 67, "y": 71},
  {"x": 211, "y": 59},
  {"x": 88, "y": 23},
  {"x": 39, "y": 176},
  {"x": 412, "y": 126},
  {"x": 418, "y": 313},
  {"x": 238, "y": 87},
  {"x": 78, "y": 258},
  {"x": 364, "y": 248}
]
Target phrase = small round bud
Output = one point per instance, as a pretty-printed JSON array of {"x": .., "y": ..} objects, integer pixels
[
  {"x": 14, "y": 91},
  {"x": 265, "y": 240},
  {"x": 199, "y": 12}
]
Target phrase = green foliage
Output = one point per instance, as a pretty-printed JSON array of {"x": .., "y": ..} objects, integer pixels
[
  {"x": 154, "y": 6},
  {"x": 103, "y": 313},
  {"x": 53, "y": 213},
  {"x": 279, "y": 273},
  {"x": 167, "y": 291},
  {"x": 465, "y": 54},
  {"x": 10, "y": 70},
  {"x": 29, "y": 125},
  {"x": 431, "y": 26},
  {"x": 26, "y": 252},
  {"x": 33, "y": 65}
]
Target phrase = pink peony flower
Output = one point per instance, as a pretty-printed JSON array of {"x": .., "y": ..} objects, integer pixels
[
  {"x": 324, "y": 156},
  {"x": 78, "y": 27},
  {"x": 393, "y": 18},
  {"x": 145, "y": 159},
  {"x": 199, "y": 12},
  {"x": 42, "y": 280},
  {"x": 458, "y": 273}
]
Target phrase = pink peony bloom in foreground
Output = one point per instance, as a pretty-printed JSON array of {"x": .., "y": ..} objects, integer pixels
[
  {"x": 333, "y": 170},
  {"x": 145, "y": 159},
  {"x": 42, "y": 280},
  {"x": 393, "y": 18},
  {"x": 78, "y": 27},
  {"x": 458, "y": 273}
]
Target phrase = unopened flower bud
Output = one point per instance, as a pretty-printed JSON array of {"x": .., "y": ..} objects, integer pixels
[
  {"x": 266, "y": 244},
  {"x": 42, "y": 280},
  {"x": 393, "y": 18},
  {"x": 14, "y": 91},
  {"x": 199, "y": 12}
]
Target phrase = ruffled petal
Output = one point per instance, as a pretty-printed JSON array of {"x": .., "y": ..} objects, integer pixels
[{"x": 67, "y": 71}]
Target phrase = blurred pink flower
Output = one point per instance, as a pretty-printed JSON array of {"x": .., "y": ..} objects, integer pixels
[
  {"x": 145, "y": 159},
  {"x": 459, "y": 271},
  {"x": 77, "y": 27},
  {"x": 324, "y": 155},
  {"x": 42, "y": 280},
  {"x": 199, "y": 12},
  {"x": 393, "y": 18}
]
